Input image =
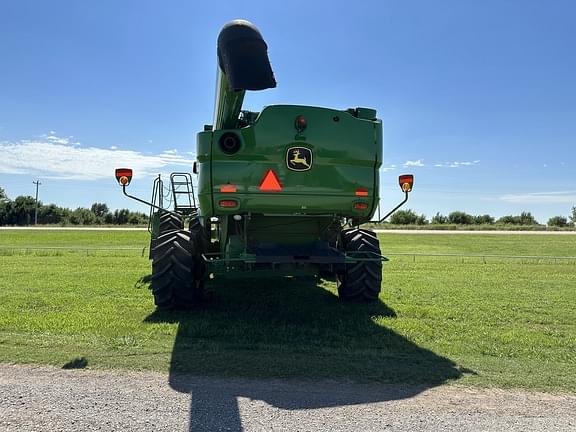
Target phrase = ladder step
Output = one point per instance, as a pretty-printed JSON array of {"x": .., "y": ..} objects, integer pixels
[{"x": 182, "y": 185}]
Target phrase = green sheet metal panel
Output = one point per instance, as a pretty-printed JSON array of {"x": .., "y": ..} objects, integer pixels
[{"x": 344, "y": 153}]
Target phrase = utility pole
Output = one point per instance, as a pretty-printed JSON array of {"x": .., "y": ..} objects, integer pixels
[{"x": 37, "y": 183}]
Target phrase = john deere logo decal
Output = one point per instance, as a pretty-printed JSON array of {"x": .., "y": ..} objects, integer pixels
[{"x": 299, "y": 158}]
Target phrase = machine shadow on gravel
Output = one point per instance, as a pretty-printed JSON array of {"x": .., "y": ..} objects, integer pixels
[{"x": 293, "y": 345}]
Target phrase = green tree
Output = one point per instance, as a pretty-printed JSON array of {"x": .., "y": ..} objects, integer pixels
[
  {"x": 121, "y": 216},
  {"x": 509, "y": 220},
  {"x": 22, "y": 211},
  {"x": 99, "y": 209},
  {"x": 408, "y": 217},
  {"x": 75, "y": 218},
  {"x": 404, "y": 217},
  {"x": 50, "y": 214},
  {"x": 137, "y": 218},
  {"x": 5, "y": 208},
  {"x": 82, "y": 216},
  {"x": 526, "y": 218},
  {"x": 421, "y": 220},
  {"x": 109, "y": 218},
  {"x": 439, "y": 219},
  {"x": 460, "y": 218},
  {"x": 483, "y": 220},
  {"x": 558, "y": 221},
  {"x": 573, "y": 216}
]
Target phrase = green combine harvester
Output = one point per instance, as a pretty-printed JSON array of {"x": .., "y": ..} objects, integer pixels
[{"x": 282, "y": 191}]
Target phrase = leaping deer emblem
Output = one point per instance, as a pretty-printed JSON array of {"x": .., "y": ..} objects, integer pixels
[{"x": 296, "y": 159}]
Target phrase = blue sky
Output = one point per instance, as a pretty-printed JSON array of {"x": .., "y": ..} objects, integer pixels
[{"x": 478, "y": 99}]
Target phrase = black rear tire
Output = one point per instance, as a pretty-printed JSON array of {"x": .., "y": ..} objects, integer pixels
[
  {"x": 361, "y": 281},
  {"x": 174, "y": 283},
  {"x": 200, "y": 235},
  {"x": 168, "y": 222},
  {"x": 201, "y": 240}
]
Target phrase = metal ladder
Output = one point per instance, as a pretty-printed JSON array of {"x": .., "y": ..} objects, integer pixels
[{"x": 183, "y": 193}]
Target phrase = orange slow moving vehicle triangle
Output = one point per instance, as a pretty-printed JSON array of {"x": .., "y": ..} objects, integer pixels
[{"x": 270, "y": 182}]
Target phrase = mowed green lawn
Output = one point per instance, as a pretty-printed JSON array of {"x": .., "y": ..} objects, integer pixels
[{"x": 494, "y": 322}]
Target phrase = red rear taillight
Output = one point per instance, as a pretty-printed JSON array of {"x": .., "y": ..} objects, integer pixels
[
  {"x": 228, "y": 203},
  {"x": 360, "y": 206}
]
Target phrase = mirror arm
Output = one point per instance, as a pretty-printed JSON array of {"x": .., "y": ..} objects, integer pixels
[
  {"x": 147, "y": 203},
  {"x": 395, "y": 208}
]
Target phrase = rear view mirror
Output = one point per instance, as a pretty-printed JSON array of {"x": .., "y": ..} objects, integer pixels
[
  {"x": 123, "y": 176},
  {"x": 406, "y": 182}
]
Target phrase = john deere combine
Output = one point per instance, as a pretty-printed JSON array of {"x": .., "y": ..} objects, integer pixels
[{"x": 283, "y": 190}]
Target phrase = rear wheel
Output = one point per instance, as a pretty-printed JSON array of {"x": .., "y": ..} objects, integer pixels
[
  {"x": 174, "y": 271},
  {"x": 168, "y": 222},
  {"x": 201, "y": 239},
  {"x": 360, "y": 281},
  {"x": 199, "y": 235}
]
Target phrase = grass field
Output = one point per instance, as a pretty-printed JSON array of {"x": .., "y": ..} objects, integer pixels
[{"x": 494, "y": 322}]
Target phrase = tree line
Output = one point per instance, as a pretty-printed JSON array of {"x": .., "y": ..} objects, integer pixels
[
  {"x": 21, "y": 211},
  {"x": 409, "y": 217}
]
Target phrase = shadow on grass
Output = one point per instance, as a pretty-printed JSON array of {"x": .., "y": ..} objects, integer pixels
[
  {"x": 294, "y": 345},
  {"x": 77, "y": 363},
  {"x": 143, "y": 282}
]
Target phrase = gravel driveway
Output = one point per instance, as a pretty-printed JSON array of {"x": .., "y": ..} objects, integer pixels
[{"x": 51, "y": 399}]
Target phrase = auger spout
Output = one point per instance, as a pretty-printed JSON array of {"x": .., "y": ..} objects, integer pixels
[{"x": 242, "y": 65}]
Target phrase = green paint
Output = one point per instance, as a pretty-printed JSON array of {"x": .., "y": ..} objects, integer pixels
[{"x": 346, "y": 155}]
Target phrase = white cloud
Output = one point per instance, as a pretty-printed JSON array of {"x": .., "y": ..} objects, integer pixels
[
  {"x": 560, "y": 197},
  {"x": 51, "y": 156},
  {"x": 416, "y": 163},
  {"x": 456, "y": 164},
  {"x": 56, "y": 140}
]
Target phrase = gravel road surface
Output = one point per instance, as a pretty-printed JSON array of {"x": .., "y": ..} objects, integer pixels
[{"x": 50, "y": 399}]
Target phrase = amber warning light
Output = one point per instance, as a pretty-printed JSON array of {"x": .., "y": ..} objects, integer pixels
[
  {"x": 123, "y": 176},
  {"x": 406, "y": 182}
]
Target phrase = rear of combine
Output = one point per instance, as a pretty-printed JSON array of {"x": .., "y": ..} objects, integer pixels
[{"x": 282, "y": 190}]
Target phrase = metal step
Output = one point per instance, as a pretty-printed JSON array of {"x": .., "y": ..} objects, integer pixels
[{"x": 183, "y": 192}]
